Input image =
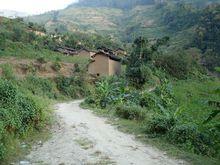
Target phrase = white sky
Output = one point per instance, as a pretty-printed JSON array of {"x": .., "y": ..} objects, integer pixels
[{"x": 34, "y": 6}]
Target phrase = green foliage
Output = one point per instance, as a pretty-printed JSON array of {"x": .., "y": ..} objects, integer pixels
[
  {"x": 143, "y": 53},
  {"x": 73, "y": 87},
  {"x": 217, "y": 69},
  {"x": 112, "y": 91},
  {"x": 194, "y": 139},
  {"x": 178, "y": 112},
  {"x": 7, "y": 71},
  {"x": 207, "y": 33},
  {"x": 2, "y": 41},
  {"x": 178, "y": 65},
  {"x": 131, "y": 112},
  {"x": 124, "y": 4},
  {"x": 41, "y": 60},
  {"x": 40, "y": 86},
  {"x": 211, "y": 60},
  {"x": 160, "y": 124},
  {"x": 56, "y": 66},
  {"x": 177, "y": 18},
  {"x": 18, "y": 112}
]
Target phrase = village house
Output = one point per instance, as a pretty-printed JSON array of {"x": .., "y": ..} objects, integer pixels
[
  {"x": 104, "y": 64},
  {"x": 85, "y": 53},
  {"x": 120, "y": 52},
  {"x": 67, "y": 51}
]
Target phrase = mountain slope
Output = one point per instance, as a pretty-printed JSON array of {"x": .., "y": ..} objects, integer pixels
[
  {"x": 106, "y": 21},
  {"x": 111, "y": 18},
  {"x": 122, "y": 4}
]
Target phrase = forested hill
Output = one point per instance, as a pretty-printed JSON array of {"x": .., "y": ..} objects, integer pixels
[
  {"x": 150, "y": 18},
  {"x": 122, "y": 4},
  {"x": 129, "y": 4}
]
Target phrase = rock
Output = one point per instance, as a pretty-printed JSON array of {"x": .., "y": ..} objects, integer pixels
[
  {"x": 23, "y": 145},
  {"x": 24, "y": 162},
  {"x": 140, "y": 136},
  {"x": 40, "y": 143}
]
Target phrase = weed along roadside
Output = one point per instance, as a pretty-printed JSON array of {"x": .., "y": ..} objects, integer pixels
[
  {"x": 152, "y": 126},
  {"x": 177, "y": 115}
]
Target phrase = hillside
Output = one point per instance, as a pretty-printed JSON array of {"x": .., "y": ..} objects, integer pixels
[
  {"x": 113, "y": 18},
  {"x": 102, "y": 20}
]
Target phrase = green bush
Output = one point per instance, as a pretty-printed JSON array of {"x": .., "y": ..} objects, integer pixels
[
  {"x": 56, "y": 66},
  {"x": 28, "y": 111},
  {"x": 7, "y": 72},
  {"x": 149, "y": 100},
  {"x": 162, "y": 98},
  {"x": 40, "y": 86},
  {"x": 73, "y": 87},
  {"x": 41, "y": 60},
  {"x": 2, "y": 41},
  {"x": 160, "y": 124},
  {"x": 177, "y": 65},
  {"x": 18, "y": 112},
  {"x": 8, "y": 93},
  {"x": 131, "y": 112},
  {"x": 190, "y": 137},
  {"x": 2, "y": 151}
]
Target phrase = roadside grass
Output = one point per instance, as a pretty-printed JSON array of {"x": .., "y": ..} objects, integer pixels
[
  {"x": 18, "y": 148},
  {"x": 192, "y": 97},
  {"x": 137, "y": 129},
  {"x": 37, "y": 94}
]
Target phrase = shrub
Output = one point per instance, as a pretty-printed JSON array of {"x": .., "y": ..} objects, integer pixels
[
  {"x": 40, "y": 86},
  {"x": 28, "y": 111},
  {"x": 161, "y": 98},
  {"x": 8, "y": 92},
  {"x": 111, "y": 90},
  {"x": 147, "y": 73},
  {"x": 177, "y": 65},
  {"x": 7, "y": 72},
  {"x": 41, "y": 60},
  {"x": 76, "y": 68},
  {"x": 131, "y": 112},
  {"x": 2, "y": 41},
  {"x": 18, "y": 112},
  {"x": 56, "y": 66},
  {"x": 2, "y": 151},
  {"x": 149, "y": 100},
  {"x": 160, "y": 124},
  {"x": 73, "y": 87},
  {"x": 190, "y": 137}
]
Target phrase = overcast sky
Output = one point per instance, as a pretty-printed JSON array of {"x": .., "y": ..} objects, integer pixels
[{"x": 34, "y": 6}]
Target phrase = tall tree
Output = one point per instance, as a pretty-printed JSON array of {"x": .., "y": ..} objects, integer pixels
[{"x": 143, "y": 53}]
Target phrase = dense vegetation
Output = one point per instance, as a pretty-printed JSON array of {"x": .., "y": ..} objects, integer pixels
[
  {"x": 169, "y": 96},
  {"x": 24, "y": 101},
  {"x": 123, "y": 4}
]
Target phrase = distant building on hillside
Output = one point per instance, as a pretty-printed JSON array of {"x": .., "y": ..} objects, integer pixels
[
  {"x": 120, "y": 52},
  {"x": 74, "y": 52},
  {"x": 85, "y": 53},
  {"x": 104, "y": 64},
  {"x": 67, "y": 51}
]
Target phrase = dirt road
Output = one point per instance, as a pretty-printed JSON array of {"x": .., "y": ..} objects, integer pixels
[{"x": 83, "y": 138}]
